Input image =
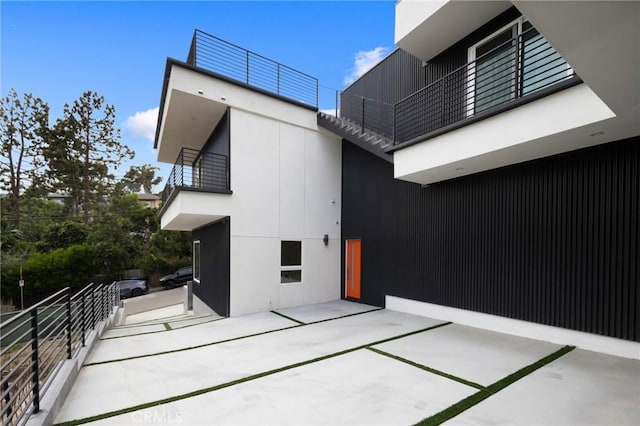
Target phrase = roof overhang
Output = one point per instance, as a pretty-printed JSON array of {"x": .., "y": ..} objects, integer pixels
[
  {"x": 601, "y": 41},
  {"x": 187, "y": 117},
  {"x": 427, "y": 28}
]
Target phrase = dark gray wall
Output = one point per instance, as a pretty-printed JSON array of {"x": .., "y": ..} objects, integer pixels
[
  {"x": 214, "y": 265},
  {"x": 220, "y": 139},
  {"x": 552, "y": 241}
]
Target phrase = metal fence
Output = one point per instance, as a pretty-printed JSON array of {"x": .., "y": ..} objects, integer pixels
[
  {"x": 35, "y": 343},
  {"x": 516, "y": 68},
  {"x": 214, "y": 54},
  {"x": 198, "y": 170},
  {"x": 367, "y": 113}
]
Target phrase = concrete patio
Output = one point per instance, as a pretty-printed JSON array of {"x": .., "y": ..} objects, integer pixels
[{"x": 342, "y": 363}]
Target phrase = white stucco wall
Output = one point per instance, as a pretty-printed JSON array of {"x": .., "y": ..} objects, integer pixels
[{"x": 286, "y": 183}]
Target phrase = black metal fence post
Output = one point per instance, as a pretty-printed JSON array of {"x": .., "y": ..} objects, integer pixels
[
  {"x": 83, "y": 319},
  {"x": 93, "y": 309},
  {"x": 105, "y": 314},
  {"x": 68, "y": 324},
  {"x": 35, "y": 363},
  {"x": 362, "y": 123},
  {"x": 247, "y": 67}
]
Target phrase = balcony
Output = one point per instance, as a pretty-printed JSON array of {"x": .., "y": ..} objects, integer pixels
[
  {"x": 194, "y": 175},
  {"x": 519, "y": 70},
  {"x": 478, "y": 128}
]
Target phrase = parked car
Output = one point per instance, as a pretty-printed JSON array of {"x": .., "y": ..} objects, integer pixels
[
  {"x": 180, "y": 277},
  {"x": 132, "y": 288}
]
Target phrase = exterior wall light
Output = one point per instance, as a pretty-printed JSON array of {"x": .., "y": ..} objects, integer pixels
[{"x": 325, "y": 240}]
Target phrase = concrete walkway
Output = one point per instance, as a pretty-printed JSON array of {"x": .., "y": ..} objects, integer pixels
[{"x": 344, "y": 363}]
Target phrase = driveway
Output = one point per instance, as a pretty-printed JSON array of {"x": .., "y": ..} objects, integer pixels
[
  {"x": 154, "y": 299},
  {"x": 345, "y": 363}
]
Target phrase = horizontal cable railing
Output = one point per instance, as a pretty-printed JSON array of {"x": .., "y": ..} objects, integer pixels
[
  {"x": 367, "y": 113},
  {"x": 214, "y": 54},
  {"x": 516, "y": 68},
  {"x": 198, "y": 170},
  {"x": 35, "y": 342}
]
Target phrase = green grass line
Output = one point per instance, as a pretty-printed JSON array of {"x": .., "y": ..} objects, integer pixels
[
  {"x": 288, "y": 317},
  {"x": 167, "y": 326},
  {"x": 476, "y": 398},
  {"x": 429, "y": 369},
  {"x": 347, "y": 316},
  {"x": 188, "y": 348},
  {"x": 157, "y": 331},
  {"x": 241, "y": 380},
  {"x": 159, "y": 321}
]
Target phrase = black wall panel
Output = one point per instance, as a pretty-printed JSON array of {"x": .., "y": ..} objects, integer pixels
[
  {"x": 214, "y": 270},
  {"x": 552, "y": 241}
]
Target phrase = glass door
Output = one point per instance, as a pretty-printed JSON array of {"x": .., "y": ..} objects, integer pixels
[{"x": 495, "y": 73}]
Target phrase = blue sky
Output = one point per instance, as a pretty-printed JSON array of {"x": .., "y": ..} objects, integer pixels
[{"x": 57, "y": 50}]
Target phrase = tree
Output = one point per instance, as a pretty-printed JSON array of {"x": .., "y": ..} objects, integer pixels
[
  {"x": 63, "y": 234},
  {"x": 144, "y": 175},
  {"x": 23, "y": 125},
  {"x": 84, "y": 145},
  {"x": 119, "y": 236}
]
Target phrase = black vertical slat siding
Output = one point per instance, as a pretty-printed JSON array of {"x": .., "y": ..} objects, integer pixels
[
  {"x": 214, "y": 265},
  {"x": 552, "y": 241}
]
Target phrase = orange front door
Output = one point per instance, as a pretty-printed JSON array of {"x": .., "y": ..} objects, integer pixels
[{"x": 353, "y": 269}]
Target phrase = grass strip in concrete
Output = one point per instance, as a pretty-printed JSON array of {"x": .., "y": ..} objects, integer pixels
[
  {"x": 241, "y": 380},
  {"x": 188, "y": 348},
  {"x": 476, "y": 398},
  {"x": 288, "y": 317},
  {"x": 429, "y": 369},
  {"x": 158, "y": 331},
  {"x": 167, "y": 326},
  {"x": 346, "y": 316}
]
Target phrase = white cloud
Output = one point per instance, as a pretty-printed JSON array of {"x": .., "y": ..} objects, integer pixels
[
  {"x": 142, "y": 124},
  {"x": 330, "y": 111},
  {"x": 364, "y": 61}
]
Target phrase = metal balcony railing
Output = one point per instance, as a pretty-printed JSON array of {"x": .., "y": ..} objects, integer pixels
[
  {"x": 35, "y": 342},
  {"x": 515, "y": 69},
  {"x": 214, "y": 54},
  {"x": 367, "y": 113},
  {"x": 196, "y": 170}
]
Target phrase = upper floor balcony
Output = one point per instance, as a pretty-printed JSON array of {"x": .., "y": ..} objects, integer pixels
[
  {"x": 194, "y": 175},
  {"x": 518, "y": 99},
  {"x": 508, "y": 70}
]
